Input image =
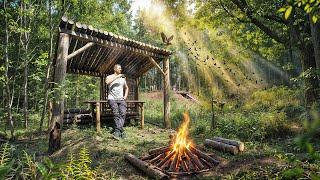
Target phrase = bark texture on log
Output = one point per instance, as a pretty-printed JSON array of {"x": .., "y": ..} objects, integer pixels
[
  {"x": 221, "y": 146},
  {"x": 239, "y": 144},
  {"x": 149, "y": 169}
]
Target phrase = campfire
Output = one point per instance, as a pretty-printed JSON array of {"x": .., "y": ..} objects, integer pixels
[{"x": 180, "y": 158}]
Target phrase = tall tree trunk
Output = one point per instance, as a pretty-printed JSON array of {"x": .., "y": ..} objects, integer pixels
[
  {"x": 48, "y": 68},
  {"x": 315, "y": 33},
  {"x": 8, "y": 96},
  {"x": 311, "y": 84},
  {"x": 25, "y": 44}
]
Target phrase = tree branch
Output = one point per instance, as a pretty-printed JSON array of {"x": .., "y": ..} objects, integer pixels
[
  {"x": 232, "y": 15},
  {"x": 244, "y": 7}
]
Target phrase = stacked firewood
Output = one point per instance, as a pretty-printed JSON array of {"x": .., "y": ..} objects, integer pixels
[
  {"x": 77, "y": 115},
  {"x": 225, "y": 145},
  {"x": 175, "y": 163}
]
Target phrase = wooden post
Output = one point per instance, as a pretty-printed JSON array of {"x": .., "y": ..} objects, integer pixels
[
  {"x": 102, "y": 93},
  {"x": 213, "y": 121},
  {"x": 58, "y": 101},
  {"x": 166, "y": 89},
  {"x": 98, "y": 116},
  {"x": 142, "y": 115}
]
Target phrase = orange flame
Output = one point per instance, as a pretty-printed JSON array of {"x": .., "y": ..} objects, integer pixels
[{"x": 181, "y": 138}]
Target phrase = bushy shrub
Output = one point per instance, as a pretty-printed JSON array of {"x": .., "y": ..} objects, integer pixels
[
  {"x": 253, "y": 126},
  {"x": 276, "y": 98}
]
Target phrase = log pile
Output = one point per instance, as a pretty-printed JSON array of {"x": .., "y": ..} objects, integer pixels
[
  {"x": 174, "y": 163},
  {"x": 77, "y": 115},
  {"x": 225, "y": 145}
]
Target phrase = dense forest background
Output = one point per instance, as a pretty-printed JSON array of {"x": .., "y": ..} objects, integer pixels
[{"x": 250, "y": 53}]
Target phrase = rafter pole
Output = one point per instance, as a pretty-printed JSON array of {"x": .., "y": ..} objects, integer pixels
[{"x": 88, "y": 45}]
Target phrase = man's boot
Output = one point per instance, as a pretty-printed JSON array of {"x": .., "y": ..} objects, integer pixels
[
  {"x": 123, "y": 135},
  {"x": 117, "y": 134}
]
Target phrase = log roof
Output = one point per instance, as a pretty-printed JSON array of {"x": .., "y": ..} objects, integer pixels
[{"x": 95, "y": 52}]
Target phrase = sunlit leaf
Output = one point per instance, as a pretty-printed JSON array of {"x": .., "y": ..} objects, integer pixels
[
  {"x": 283, "y": 9},
  {"x": 314, "y": 19},
  {"x": 288, "y": 12}
]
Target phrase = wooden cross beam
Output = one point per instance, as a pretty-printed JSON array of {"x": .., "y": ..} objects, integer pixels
[
  {"x": 88, "y": 45},
  {"x": 156, "y": 64}
]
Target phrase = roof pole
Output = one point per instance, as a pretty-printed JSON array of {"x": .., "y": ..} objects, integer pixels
[
  {"x": 166, "y": 89},
  {"x": 60, "y": 70}
]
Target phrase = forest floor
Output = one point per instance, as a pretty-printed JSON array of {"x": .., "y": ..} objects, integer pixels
[
  {"x": 262, "y": 159},
  {"x": 107, "y": 154}
]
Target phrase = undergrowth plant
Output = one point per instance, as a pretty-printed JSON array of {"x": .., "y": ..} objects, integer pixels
[
  {"x": 79, "y": 168},
  {"x": 6, "y": 162}
]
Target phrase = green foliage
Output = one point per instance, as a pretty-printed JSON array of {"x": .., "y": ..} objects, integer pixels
[
  {"x": 26, "y": 166},
  {"x": 309, "y": 7},
  {"x": 79, "y": 168},
  {"x": 253, "y": 126},
  {"x": 280, "y": 99},
  {"x": 6, "y": 162}
]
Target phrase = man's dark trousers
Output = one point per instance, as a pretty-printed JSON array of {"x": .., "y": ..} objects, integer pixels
[{"x": 119, "y": 108}]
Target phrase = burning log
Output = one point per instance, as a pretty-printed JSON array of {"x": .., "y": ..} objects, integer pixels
[
  {"x": 159, "y": 150},
  {"x": 189, "y": 164},
  {"x": 156, "y": 158},
  {"x": 221, "y": 146},
  {"x": 161, "y": 163},
  {"x": 149, "y": 169},
  {"x": 147, "y": 157},
  {"x": 194, "y": 159},
  {"x": 204, "y": 156},
  {"x": 239, "y": 144},
  {"x": 180, "y": 158},
  {"x": 207, "y": 164},
  {"x": 173, "y": 165}
]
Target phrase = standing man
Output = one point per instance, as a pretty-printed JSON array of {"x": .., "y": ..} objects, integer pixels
[{"x": 116, "y": 98}]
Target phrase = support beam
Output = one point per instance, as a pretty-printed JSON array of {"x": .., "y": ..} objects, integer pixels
[
  {"x": 58, "y": 100},
  {"x": 98, "y": 117},
  {"x": 156, "y": 64},
  {"x": 166, "y": 89},
  {"x": 88, "y": 45}
]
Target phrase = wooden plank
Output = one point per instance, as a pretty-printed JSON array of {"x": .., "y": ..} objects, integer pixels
[
  {"x": 95, "y": 57},
  {"x": 110, "y": 61},
  {"x": 85, "y": 55},
  {"x": 86, "y": 37},
  {"x": 77, "y": 71},
  {"x": 100, "y": 58},
  {"x": 89, "y": 59}
]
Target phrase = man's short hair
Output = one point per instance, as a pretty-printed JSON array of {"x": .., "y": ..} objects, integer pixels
[{"x": 116, "y": 65}]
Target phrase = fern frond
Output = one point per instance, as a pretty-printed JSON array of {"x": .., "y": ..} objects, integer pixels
[{"x": 5, "y": 154}]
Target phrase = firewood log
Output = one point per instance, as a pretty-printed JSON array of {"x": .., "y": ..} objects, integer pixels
[
  {"x": 221, "y": 146},
  {"x": 148, "y": 168},
  {"x": 239, "y": 144}
]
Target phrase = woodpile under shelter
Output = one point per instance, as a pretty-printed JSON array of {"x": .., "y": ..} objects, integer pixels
[{"x": 83, "y": 49}]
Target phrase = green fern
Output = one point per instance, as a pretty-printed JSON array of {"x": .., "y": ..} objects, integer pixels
[
  {"x": 84, "y": 162},
  {"x": 79, "y": 168},
  {"x": 6, "y": 162},
  {"x": 29, "y": 167},
  {"x": 5, "y": 154}
]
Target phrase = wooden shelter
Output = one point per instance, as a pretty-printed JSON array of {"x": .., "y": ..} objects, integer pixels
[{"x": 83, "y": 49}]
